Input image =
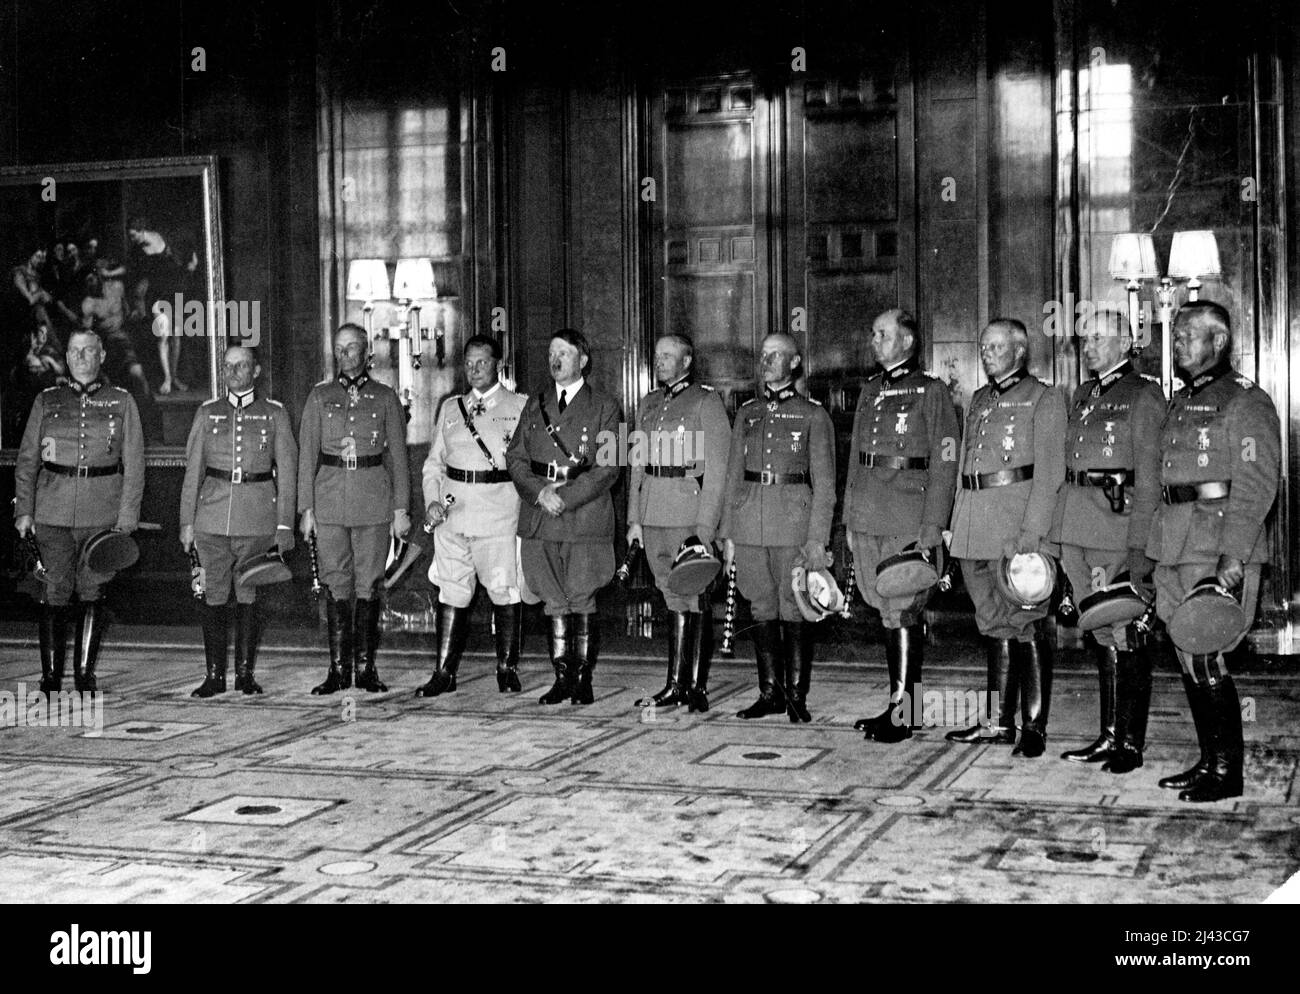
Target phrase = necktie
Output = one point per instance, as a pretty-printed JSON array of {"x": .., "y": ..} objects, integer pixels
[{"x": 563, "y": 403}]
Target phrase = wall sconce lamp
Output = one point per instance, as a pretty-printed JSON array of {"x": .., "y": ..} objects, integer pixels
[
  {"x": 1192, "y": 255},
  {"x": 368, "y": 282},
  {"x": 412, "y": 283}
]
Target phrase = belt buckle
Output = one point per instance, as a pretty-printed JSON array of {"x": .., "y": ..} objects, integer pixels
[
  {"x": 765, "y": 477},
  {"x": 237, "y": 475},
  {"x": 350, "y": 461},
  {"x": 552, "y": 470},
  {"x": 83, "y": 472}
]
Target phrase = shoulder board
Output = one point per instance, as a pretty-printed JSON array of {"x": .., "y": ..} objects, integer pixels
[
  {"x": 752, "y": 400},
  {"x": 812, "y": 401},
  {"x": 214, "y": 400},
  {"x": 1149, "y": 378},
  {"x": 273, "y": 403},
  {"x": 55, "y": 387},
  {"x": 705, "y": 386},
  {"x": 928, "y": 375},
  {"x": 1244, "y": 381}
]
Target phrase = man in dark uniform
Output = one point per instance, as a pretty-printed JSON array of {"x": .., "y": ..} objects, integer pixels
[
  {"x": 236, "y": 502},
  {"x": 566, "y": 515},
  {"x": 675, "y": 494},
  {"x": 1220, "y": 452},
  {"x": 1012, "y": 466},
  {"x": 353, "y": 492},
  {"x": 778, "y": 503},
  {"x": 80, "y": 470},
  {"x": 1103, "y": 516},
  {"x": 901, "y": 479}
]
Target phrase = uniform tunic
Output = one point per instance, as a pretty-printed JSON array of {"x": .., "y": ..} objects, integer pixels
[
  {"x": 783, "y": 433},
  {"x": 902, "y": 474},
  {"x": 86, "y": 427},
  {"x": 477, "y": 539},
  {"x": 235, "y": 521},
  {"x": 1016, "y": 424},
  {"x": 357, "y": 422},
  {"x": 567, "y": 559},
  {"x": 1220, "y": 428},
  {"x": 1114, "y": 425},
  {"x": 683, "y": 425}
]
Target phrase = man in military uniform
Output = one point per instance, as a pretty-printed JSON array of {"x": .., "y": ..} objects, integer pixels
[
  {"x": 566, "y": 515},
  {"x": 1220, "y": 447},
  {"x": 476, "y": 539},
  {"x": 677, "y": 495},
  {"x": 80, "y": 470},
  {"x": 1103, "y": 515},
  {"x": 1012, "y": 465},
  {"x": 353, "y": 491},
  {"x": 778, "y": 503},
  {"x": 900, "y": 486},
  {"x": 236, "y": 502}
]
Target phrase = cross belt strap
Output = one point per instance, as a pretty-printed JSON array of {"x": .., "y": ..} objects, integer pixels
[
  {"x": 237, "y": 475},
  {"x": 81, "y": 471},
  {"x": 554, "y": 471},
  {"x": 477, "y": 476},
  {"x": 893, "y": 462},
  {"x": 1099, "y": 477},
  {"x": 1185, "y": 493},
  {"x": 352, "y": 462},
  {"x": 469, "y": 424},
  {"x": 555, "y": 437},
  {"x": 767, "y": 478},
  {"x": 1002, "y": 478}
]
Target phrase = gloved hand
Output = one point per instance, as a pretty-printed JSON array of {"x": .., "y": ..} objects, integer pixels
[
  {"x": 930, "y": 537},
  {"x": 284, "y": 540},
  {"x": 814, "y": 556},
  {"x": 1230, "y": 571}
]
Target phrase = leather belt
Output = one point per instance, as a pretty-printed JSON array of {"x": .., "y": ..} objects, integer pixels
[
  {"x": 1099, "y": 477},
  {"x": 238, "y": 475},
  {"x": 1185, "y": 493},
  {"x": 478, "y": 475},
  {"x": 81, "y": 471},
  {"x": 672, "y": 471},
  {"x": 554, "y": 471},
  {"x": 1002, "y": 478},
  {"x": 893, "y": 462},
  {"x": 352, "y": 462},
  {"x": 768, "y": 478}
]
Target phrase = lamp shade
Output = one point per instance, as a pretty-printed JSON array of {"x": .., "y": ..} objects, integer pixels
[
  {"x": 368, "y": 280},
  {"x": 414, "y": 280},
  {"x": 1194, "y": 254},
  {"x": 1133, "y": 257}
]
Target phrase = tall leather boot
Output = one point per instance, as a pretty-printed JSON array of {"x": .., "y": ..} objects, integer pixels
[
  {"x": 799, "y": 637},
  {"x": 509, "y": 623},
  {"x": 89, "y": 629},
  {"x": 586, "y": 638},
  {"x": 674, "y": 692},
  {"x": 1034, "y": 662},
  {"x": 903, "y": 650},
  {"x": 769, "y": 655},
  {"x": 453, "y": 630},
  {"x": 247, "y": 632},
  {"x": 1103, "y": 747},
  {"x": 1198, "y": 699},
  {"x": 1227, "y": 750},
  {"x": 338, "y": 618},
  {"x": 1133, "y": 704},
  {"x": 699, "y": 649},
  {"x": 54, "y": 646},
  {"x": 366, "y": 636},
  {"x": 215, "y": 641},
  {"x": 1003, "y": 690},
  {"x": 562, "y": 662}
]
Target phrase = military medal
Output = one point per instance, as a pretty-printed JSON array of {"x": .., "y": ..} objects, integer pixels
[
  {"x": 1203, "y": 439},
  {"x": 795, "y": 444},
  {"x": 1107, "y": 452},
  {"x": 901, "y": 427},
  {"x": 771, "y": 406},
  {"x": 374, "y": 438},
  {"x": 348, "y": 447},
  {"x": 1008, "y": 442},
  {"x": 478, "y": 408},
  {"x": 1202, "y": 460}
]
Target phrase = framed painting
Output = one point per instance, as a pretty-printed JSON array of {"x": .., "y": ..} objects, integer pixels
[{"x": 132, "y": 250}]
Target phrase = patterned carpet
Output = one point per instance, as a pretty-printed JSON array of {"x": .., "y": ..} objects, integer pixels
[{"x": 478, "y": 796}]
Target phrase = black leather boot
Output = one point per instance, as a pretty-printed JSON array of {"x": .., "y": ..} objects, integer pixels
[
  {"x": 1198, "y": 699},
  {"x": 1034, "y": 662},
  {"x": 215, "y": 641},
  {"x": 561, "y": 659},
  {"x": 338, "y": 618},
  {"x": 54, "y": 646},
  {"x": 799, "y": 637},
  {"x": 1133, "y": 704},
  {"x": 674, "y": 692},
  {"x": 699, "y": 649},
  {"x": 247, "y": 631},
  {"x": 366, "y": 635},
  {"x": 586, "y": 638},
  {"x": 1103, "y": 747},
  {"x": 903, "y": 651},
  {"x": 1227, "y": 750},
  {"x": 1003, "y": 691},
  {"x": 769, "y": 655},
  {"x": 453, "y": 631},
  {"x": 509, "y": 622},
  {"x": 89, "y": 629}
]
